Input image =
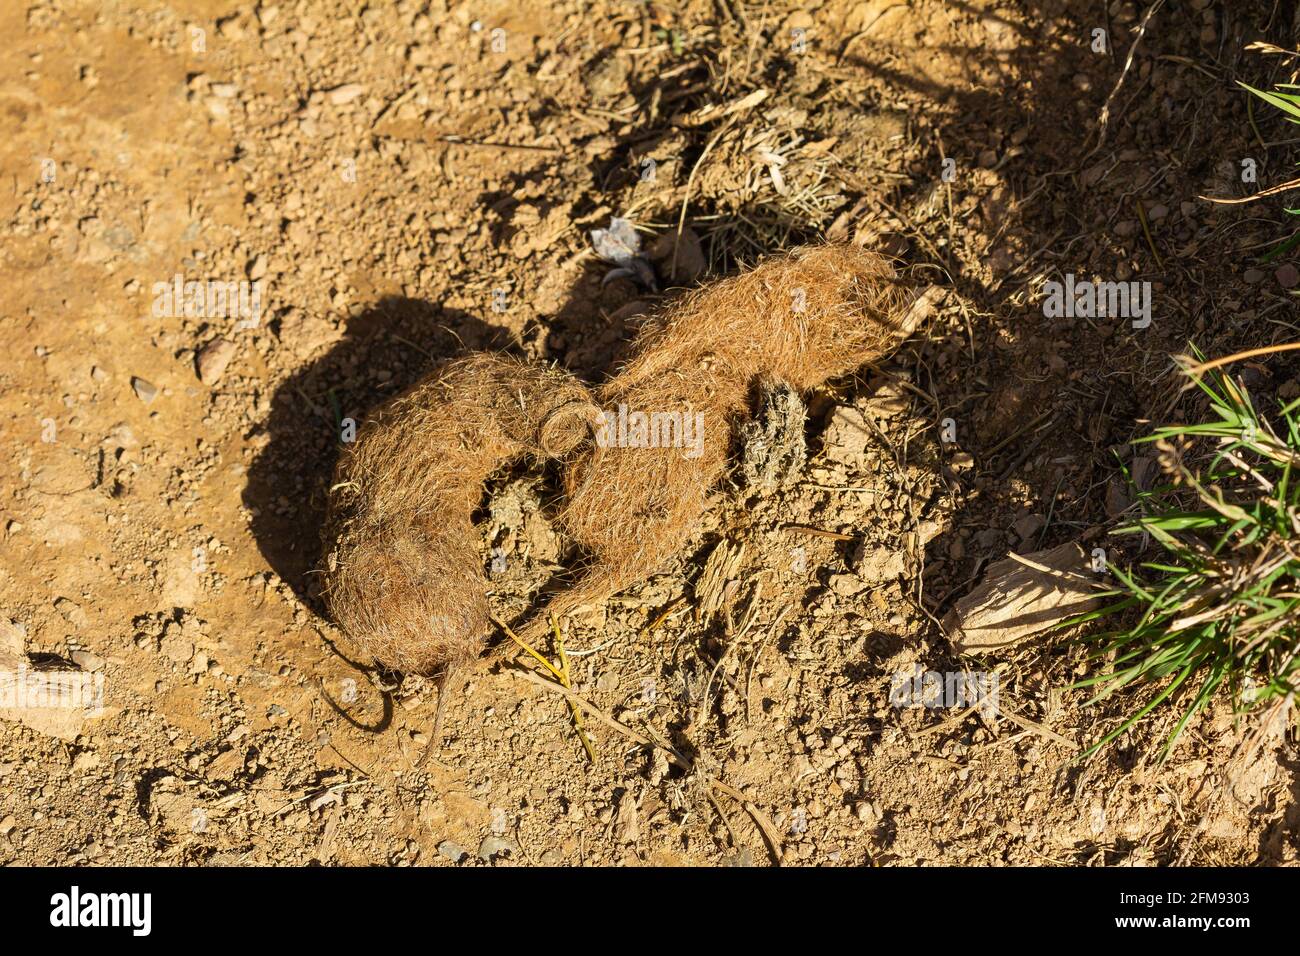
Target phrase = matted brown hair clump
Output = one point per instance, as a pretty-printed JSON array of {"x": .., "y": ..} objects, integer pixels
[
  {"x": 803, "y": 318},
  {"x": 403, "y": 576}
]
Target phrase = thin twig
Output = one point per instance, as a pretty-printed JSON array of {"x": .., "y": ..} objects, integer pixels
[
  {"x": 1103, "y": 121},
  {"x": 1271, "y": 191},
  {"x": 1204, "y": 367},
  {"x": 760, "y": 819},
  {"x": 564, "y": 671}
]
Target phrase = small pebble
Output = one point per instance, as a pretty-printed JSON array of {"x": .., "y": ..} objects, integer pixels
[
  {"x": 493, "y": 845},
  {"x": 144, "y": 390},
  {"x": 87, "y": 661},
  {"x": 451, "y": 851},
  {"x": 1028, "y": 526},
  {"x": 177, "y": 648},
  {"x": 846, "y": 584},
  {"x": 345, "y": 93},
  {"x": 212, "y": 360}
]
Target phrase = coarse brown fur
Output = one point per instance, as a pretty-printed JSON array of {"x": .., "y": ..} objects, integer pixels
[
  {"x": 403, "y": 576},
  {"x": 804, "y": 317}
]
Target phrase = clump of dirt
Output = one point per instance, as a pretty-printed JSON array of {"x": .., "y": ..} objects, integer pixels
[{"x": 773, "y": 450}]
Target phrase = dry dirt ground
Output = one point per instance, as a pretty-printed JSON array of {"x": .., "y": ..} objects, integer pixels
[{"x": 414, "y": 178}]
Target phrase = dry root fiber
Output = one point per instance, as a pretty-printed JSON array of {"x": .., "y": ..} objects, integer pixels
[
  {"x": 403, "y": 574},
  {"x": 806, "y": 317}
]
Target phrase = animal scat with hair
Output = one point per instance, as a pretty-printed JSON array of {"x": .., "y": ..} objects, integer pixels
[
  {"x": 804, "y": 317},
  {"x": 403, "y": 575}
]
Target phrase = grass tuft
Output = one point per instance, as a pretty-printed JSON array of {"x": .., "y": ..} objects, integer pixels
[{"x": 1218, "y": 609}]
